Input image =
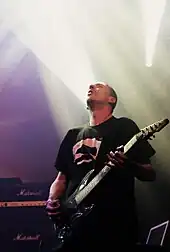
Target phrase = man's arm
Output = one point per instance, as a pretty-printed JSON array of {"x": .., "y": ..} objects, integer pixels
[
  {"x": 143, "y": 172},
  {"x": 139, "y": 155},
  {"x": 53, "y": 205},
  {"x": 58, "y": 187}
]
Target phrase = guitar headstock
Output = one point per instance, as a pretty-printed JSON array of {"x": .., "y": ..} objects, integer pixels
[{"x": 149, "y": 131}]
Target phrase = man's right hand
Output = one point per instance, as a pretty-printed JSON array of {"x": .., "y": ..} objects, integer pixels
[{"x": 53, "y": 209}]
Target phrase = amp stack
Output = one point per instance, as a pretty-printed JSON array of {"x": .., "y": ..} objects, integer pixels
[{"x": 24, "y": 225}]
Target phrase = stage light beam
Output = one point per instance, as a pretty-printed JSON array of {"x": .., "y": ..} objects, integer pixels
[{"x": 152, "y": 14}]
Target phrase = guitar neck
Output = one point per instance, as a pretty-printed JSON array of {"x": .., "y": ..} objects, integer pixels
[
  {"x": 92, "y": 184},
  {"x": 129, "y": 144}
]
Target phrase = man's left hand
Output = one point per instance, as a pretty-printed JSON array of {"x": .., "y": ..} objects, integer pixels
[{"x": 117, "y": 158}]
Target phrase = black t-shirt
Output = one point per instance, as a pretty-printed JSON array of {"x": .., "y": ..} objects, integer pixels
[{"x": 86, "y": 148}]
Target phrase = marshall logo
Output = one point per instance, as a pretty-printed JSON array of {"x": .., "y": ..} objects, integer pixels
[
  {"x": 22, "y": 237},
  {"x": 25, "y": 192}
]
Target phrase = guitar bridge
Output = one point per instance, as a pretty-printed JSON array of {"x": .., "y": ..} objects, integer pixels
[{"x": 63, "y": 231}]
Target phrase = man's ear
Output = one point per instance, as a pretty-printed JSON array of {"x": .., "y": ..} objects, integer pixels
[{"x": 112, "y": 99}]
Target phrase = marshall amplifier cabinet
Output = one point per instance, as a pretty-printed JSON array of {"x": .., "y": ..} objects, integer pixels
[
  {"x": 14, "y": 190},
  {"x": 24, "y": 225},
  {"x": 24, "y": 229}
]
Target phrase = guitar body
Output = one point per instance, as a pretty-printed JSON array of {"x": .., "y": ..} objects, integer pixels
[
  {"x": 73, "y": 216},
  {"x": 65, "y": 230}
]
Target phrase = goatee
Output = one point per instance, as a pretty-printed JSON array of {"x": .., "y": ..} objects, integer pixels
[
  {"x": 92, "y": 103},
  {"x": 89, "y": 104}
]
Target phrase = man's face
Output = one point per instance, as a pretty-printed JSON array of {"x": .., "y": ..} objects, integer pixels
[{"x": 99, "y": 92}]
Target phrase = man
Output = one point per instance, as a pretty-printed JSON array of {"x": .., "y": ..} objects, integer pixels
[{"x": 113, "y": 222}]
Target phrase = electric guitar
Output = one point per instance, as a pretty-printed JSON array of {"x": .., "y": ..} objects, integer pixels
[{"x": 73, "y": 208}]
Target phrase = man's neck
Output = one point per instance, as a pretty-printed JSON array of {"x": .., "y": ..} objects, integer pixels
[{"x": 99, "y": 116}]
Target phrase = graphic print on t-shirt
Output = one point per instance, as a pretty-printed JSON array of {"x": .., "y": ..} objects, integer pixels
[{"x": 86, "y": 150}]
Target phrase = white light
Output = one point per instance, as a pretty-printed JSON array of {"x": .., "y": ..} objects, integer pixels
[
  {"x": 148, "y": 64},
  {"x": 152, "y": 13},
  {"x": 44, "y": 27}
]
